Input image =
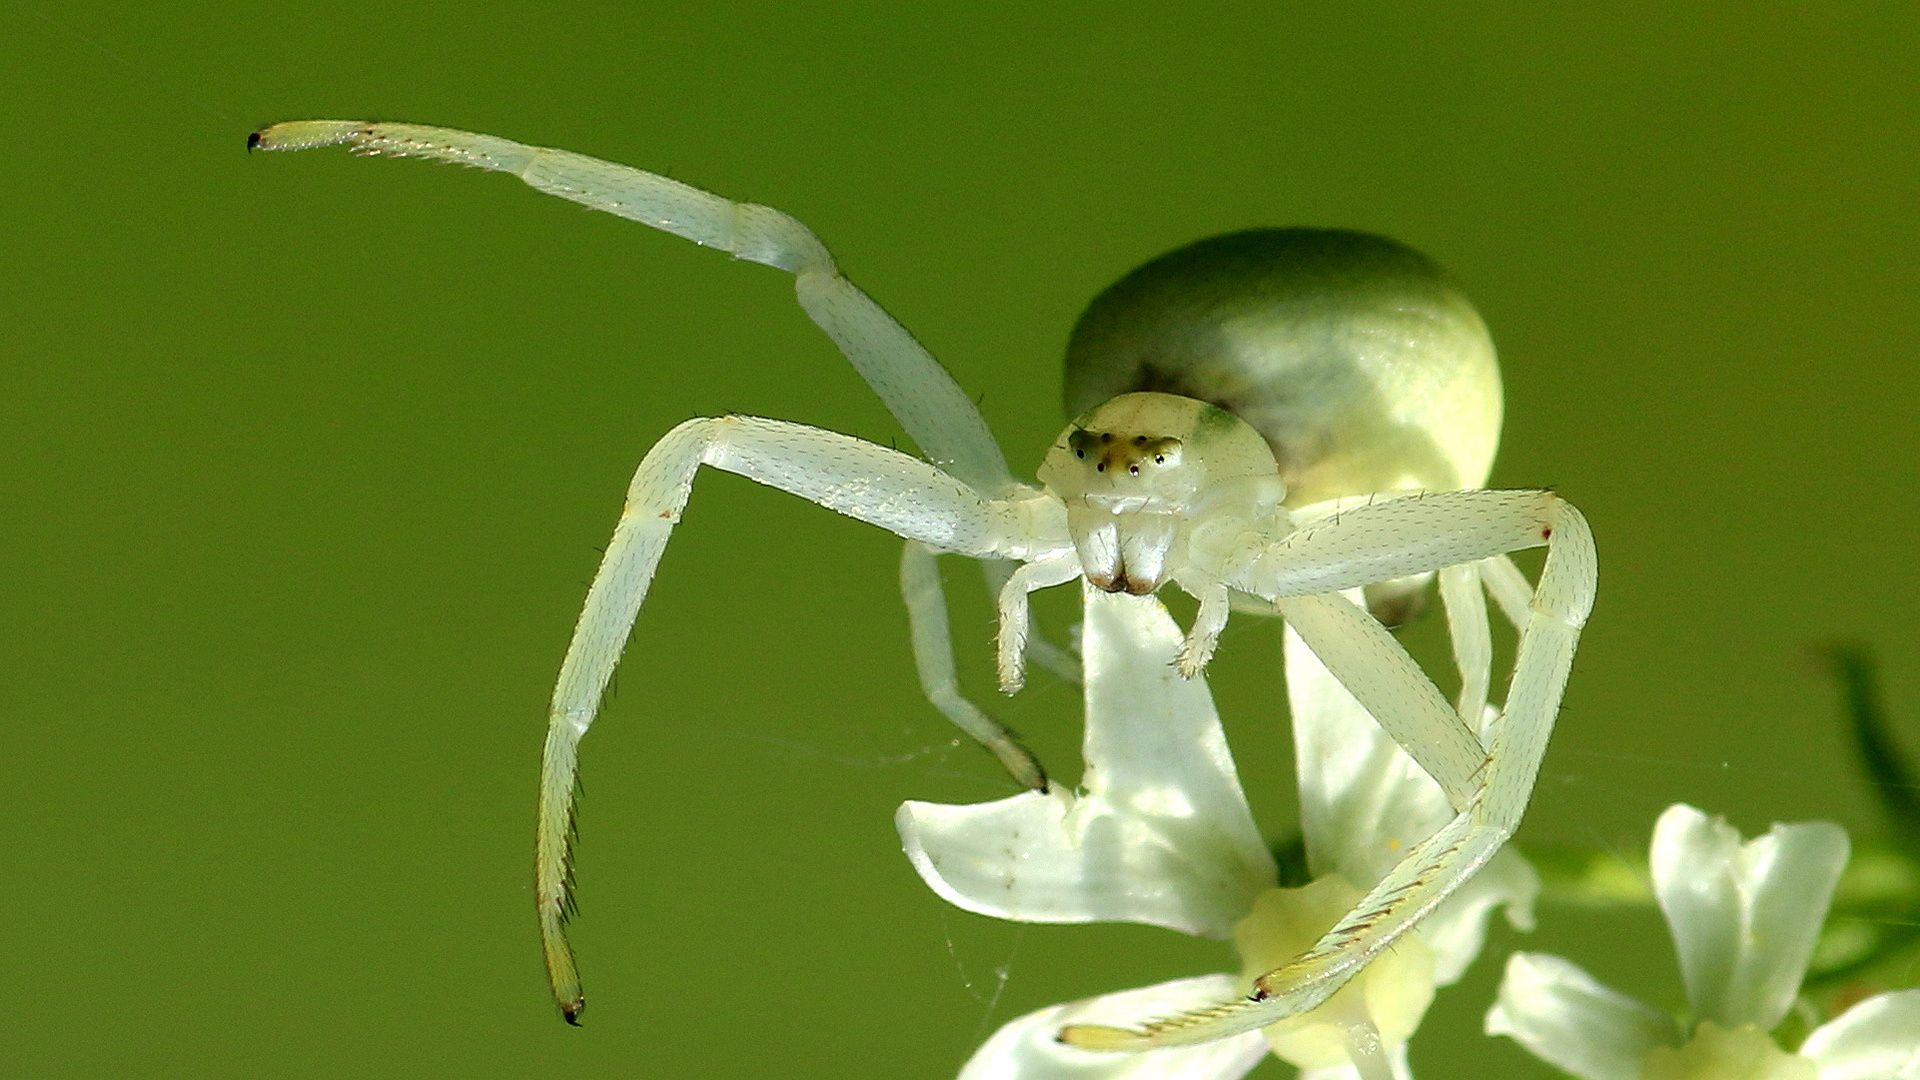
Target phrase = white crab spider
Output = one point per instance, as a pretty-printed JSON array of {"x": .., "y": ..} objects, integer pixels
[{"x": 1145, "y": 489}]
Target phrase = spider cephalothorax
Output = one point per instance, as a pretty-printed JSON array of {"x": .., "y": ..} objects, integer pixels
[{"x": 1136, "y": 472}]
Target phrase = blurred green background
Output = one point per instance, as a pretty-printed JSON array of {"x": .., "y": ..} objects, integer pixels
[{"x": 306, "y": 460}]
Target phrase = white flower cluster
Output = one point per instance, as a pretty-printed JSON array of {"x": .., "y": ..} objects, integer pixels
[
  {"x": 1160, "y": 832},
  {"x": 1744, "y": 918}
]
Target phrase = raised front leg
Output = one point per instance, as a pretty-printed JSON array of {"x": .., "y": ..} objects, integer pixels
[{"x": 937, "y": 415}]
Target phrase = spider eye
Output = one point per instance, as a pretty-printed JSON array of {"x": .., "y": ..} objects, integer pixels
[
  {"x": 1159, "y": 459},
  {"x": 1102, "y": 467},
  {"x": 1134, "y": 469}
]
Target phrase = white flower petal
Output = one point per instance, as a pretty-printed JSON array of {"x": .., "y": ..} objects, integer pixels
[
  {"x": 1878, "y": 1039},
  {"x": 1565, "y": 1018},
  {"x": 1162, "y": 834},
  {"x": 1026, "y": 1049},
  {"x": 1744, "y": 917},
  {"x": 1458, "y": 927},
  {"x": 1363, "y": 801}
]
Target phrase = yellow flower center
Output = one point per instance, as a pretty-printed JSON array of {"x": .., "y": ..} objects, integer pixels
[
  {"x": 1383, "y": 1003},
  {"x": 1715, "y": 1053}
]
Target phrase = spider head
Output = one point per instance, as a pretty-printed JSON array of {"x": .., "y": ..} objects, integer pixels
[{"x": 1138, "y": 471}]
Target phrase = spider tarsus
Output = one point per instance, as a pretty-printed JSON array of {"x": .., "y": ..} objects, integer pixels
[
  {"x": 253, "y": 141},
  {"x": 1025, "y": 769},
  {"x": 570, "y": 1011}
]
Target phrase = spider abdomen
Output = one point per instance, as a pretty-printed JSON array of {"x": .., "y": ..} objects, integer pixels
[{"x": 1362, "y": 365}]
